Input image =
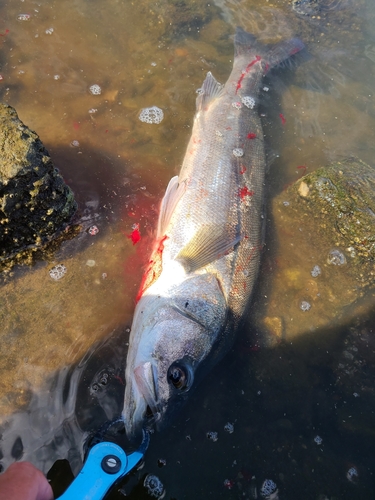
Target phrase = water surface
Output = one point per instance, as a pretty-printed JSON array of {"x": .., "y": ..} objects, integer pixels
[{"x": 64, "y": 343}]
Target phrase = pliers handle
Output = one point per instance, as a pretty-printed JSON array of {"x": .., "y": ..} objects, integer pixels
[{"x": 105, "y": 464}]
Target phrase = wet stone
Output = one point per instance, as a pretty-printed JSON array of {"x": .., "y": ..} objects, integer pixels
[
  {"x": 325, "y": 253},
  {"x": 35, "y": 203}
]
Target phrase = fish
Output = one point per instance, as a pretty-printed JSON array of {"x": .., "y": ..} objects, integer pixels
[{"x": 206, "y": 254}]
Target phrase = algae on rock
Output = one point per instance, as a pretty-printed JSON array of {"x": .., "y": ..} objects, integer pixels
[
  {"x": 35, "y": 203},
  {"x": 325, "y": 257}
]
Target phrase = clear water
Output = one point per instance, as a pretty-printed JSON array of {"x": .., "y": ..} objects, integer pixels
[{"x": 63, "y": 343}]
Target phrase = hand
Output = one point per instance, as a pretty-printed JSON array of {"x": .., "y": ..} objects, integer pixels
[{"x": 23, "y": 481}]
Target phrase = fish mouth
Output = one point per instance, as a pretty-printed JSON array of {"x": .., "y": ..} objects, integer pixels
[{"x": 146, "y": 411}]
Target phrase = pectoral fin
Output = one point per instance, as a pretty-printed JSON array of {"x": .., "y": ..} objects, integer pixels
[
  {"x": 173, "y": 194},
  {"x": 209, "y": 244}
]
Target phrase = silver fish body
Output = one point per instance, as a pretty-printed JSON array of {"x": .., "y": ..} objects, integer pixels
[{"x": 206, "y": 256}]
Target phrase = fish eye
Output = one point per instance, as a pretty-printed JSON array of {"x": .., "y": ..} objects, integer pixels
[{"x": 178, "y": 376}]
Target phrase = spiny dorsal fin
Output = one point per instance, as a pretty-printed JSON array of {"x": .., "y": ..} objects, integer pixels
[
  {"x": 173, "y": 194},
  {"x": 210, "y": 89},
  {"x": 209, "y": 244}
]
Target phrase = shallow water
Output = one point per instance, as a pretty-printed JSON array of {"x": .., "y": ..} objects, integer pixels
[{"x": 64, "y": 343}]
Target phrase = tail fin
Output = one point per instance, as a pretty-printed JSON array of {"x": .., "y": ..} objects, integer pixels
[{"x": 272, "y": 55}]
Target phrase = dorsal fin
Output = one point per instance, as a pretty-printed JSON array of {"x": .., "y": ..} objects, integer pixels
[{"x": 210, "y": 89}]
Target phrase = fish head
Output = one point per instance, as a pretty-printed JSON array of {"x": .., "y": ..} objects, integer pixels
[{"x": 172, "y": 343}]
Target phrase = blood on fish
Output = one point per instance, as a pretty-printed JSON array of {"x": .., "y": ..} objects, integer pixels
[
  {"x": 283, "y": 121},
  {"x": 117, "y": 377},
  {"x": 251, "y": 135},
  {"x": 242, "y": 169},
  {"x": 135, "y": 235},
  {"x": 245, "y": 192},
  {"x": 247, "y": 69},
  {"x": 153, "y": 270}
]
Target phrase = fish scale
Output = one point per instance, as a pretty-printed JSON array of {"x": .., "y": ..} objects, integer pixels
[{"x": 206, "y": 258}]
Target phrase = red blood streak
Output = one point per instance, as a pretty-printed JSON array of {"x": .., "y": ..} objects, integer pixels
[
  {"x": 228, "y": 128},
  {"x": 294, "y": 51},
  {"x": 153, "y": 270},
  {"x": 245, "y": 192},
  {"x": 6, "y": 32},
  {"x": 161, "y": 245},
  {"x": 251, "y": 135},
  {"x": 117, "y": 377},
  {"x": 302, "y": 167},
  {"x": 283, "y": 121},
  {"x": 247, "y": 69},
  {"x": 76, "y": 125},
  {"x": 135, "y": 235},
  {"x": 242, "y": 169},
  {"x": 267, "y": 67}
]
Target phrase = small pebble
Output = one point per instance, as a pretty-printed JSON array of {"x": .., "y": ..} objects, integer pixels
[{"x": 90, "y": 263}]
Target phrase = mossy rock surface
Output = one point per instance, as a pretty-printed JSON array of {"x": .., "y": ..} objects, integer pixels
[
  {"x": 35, "y": 203},
  {"x": 323, "y": 266}
]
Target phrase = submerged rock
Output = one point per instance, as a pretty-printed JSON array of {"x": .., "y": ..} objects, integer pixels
[
  {"x": 35, "y": 203},
  {"x": 325, "y": 229}
]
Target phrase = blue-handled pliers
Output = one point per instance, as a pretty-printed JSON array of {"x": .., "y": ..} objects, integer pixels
[{"x": 105, "y": 464}]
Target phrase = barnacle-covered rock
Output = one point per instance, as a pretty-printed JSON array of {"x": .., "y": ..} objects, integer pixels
[{"x": 35, "y": 203}]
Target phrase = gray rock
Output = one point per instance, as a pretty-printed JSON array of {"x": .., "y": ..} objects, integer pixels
[{"x": 35, "y": 203}]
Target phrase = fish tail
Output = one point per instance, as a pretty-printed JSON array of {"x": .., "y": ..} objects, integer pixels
[{"x": 272, "y": 55}]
